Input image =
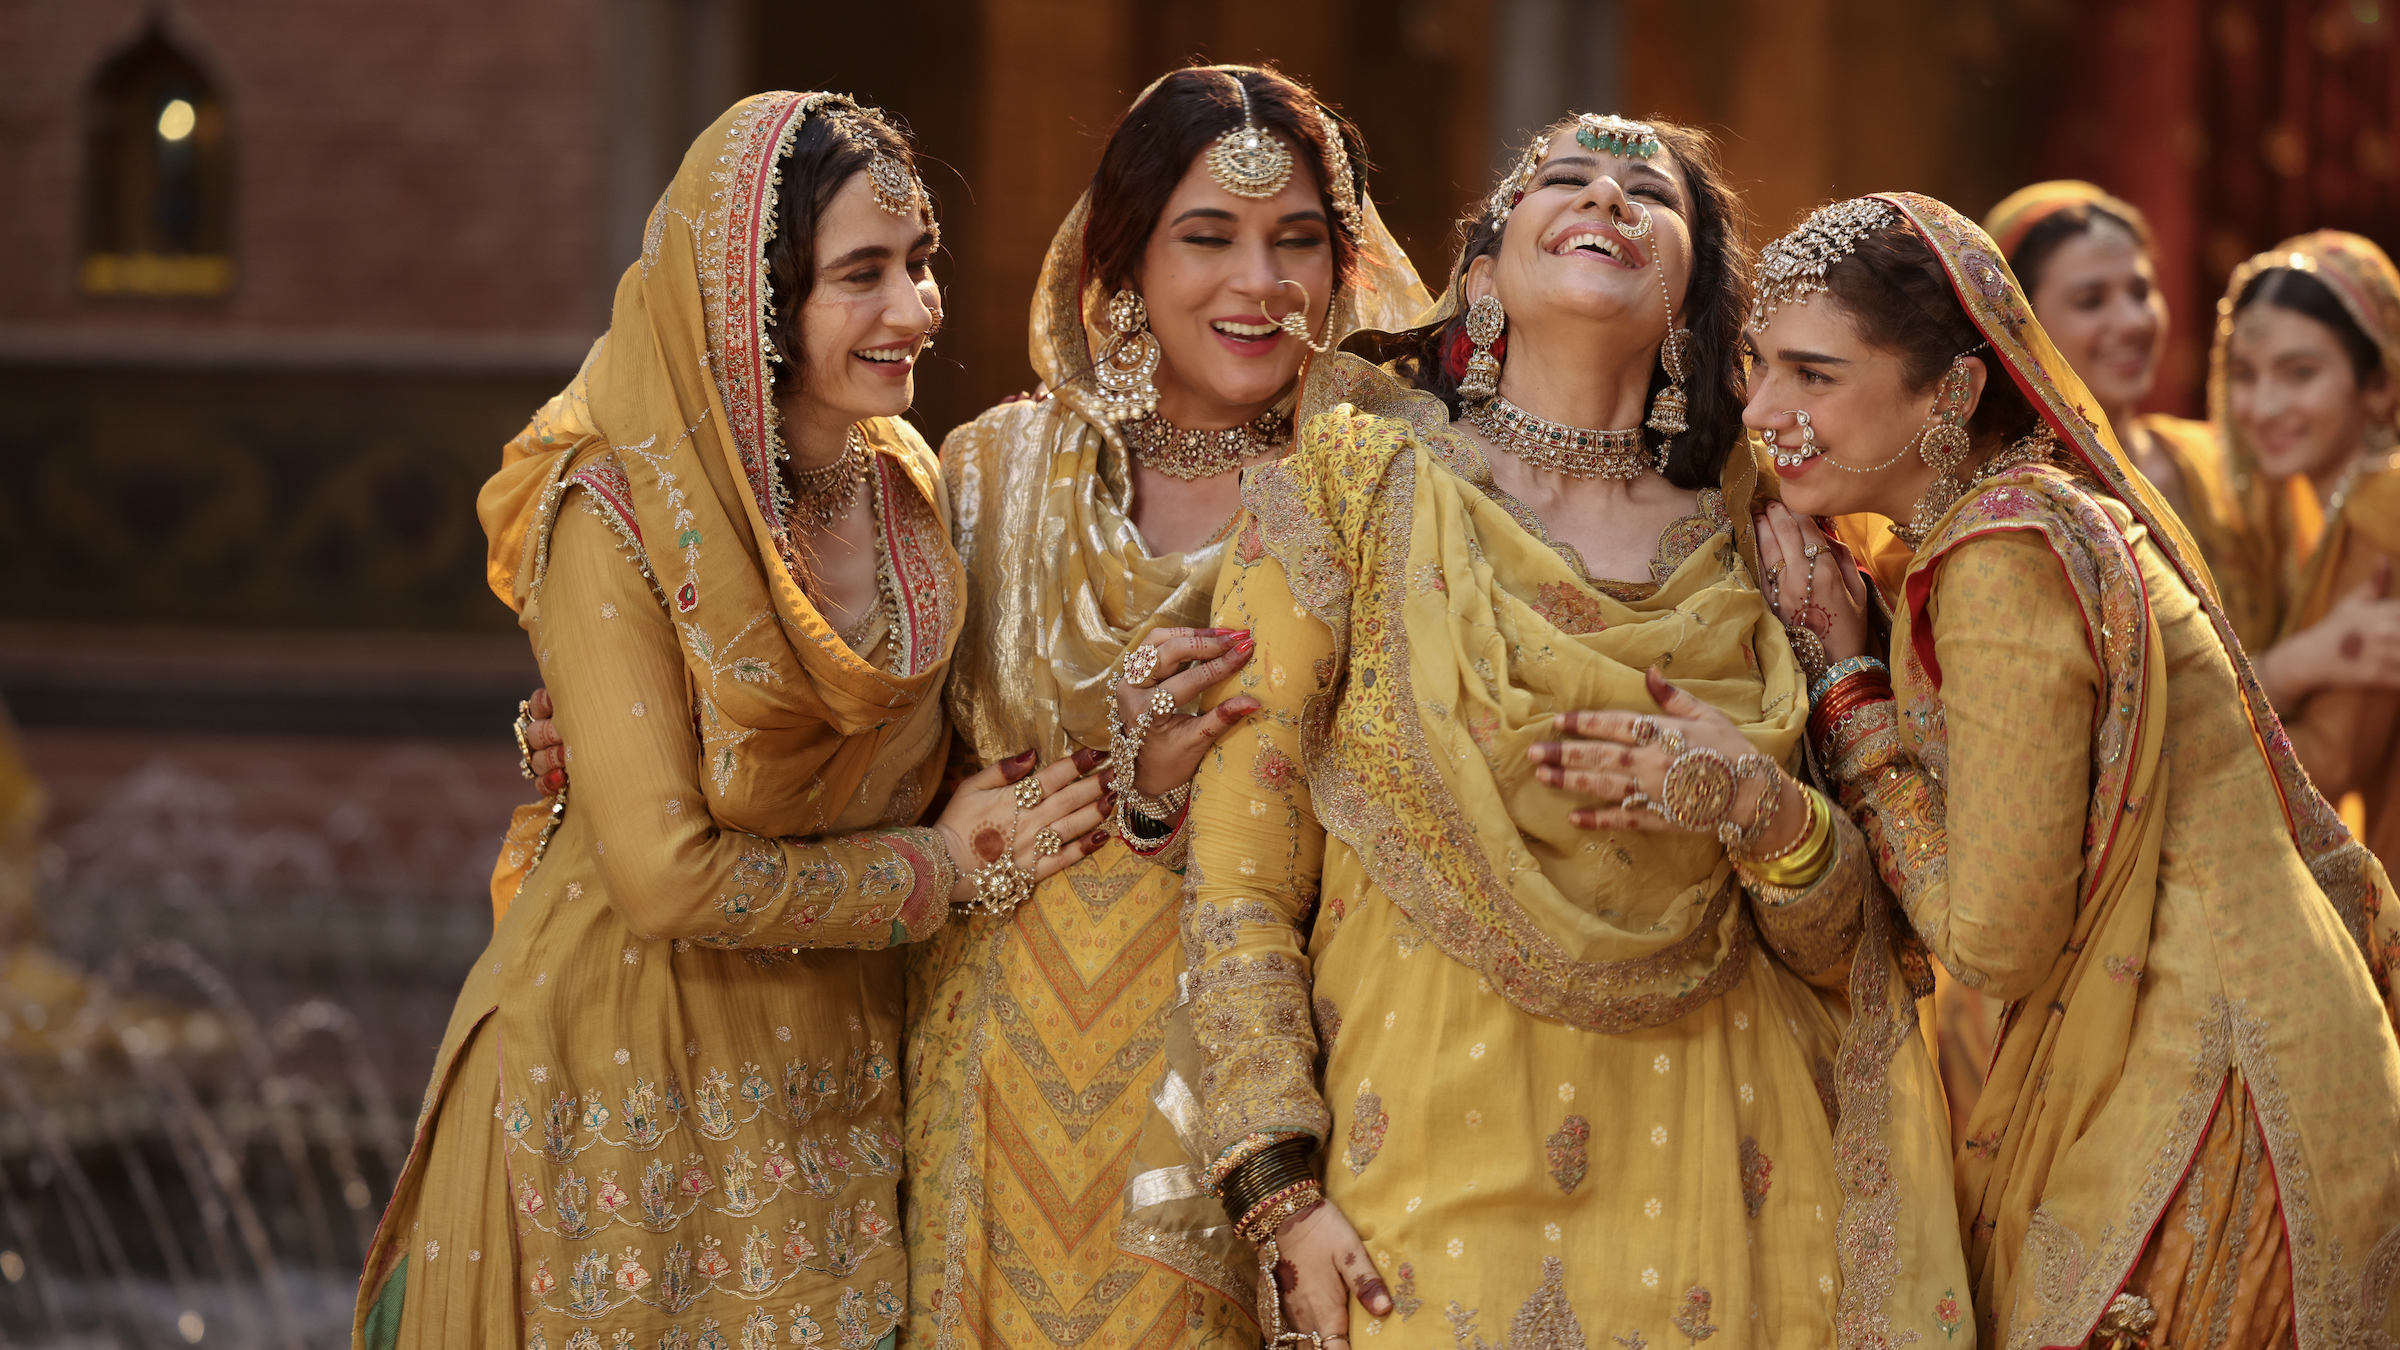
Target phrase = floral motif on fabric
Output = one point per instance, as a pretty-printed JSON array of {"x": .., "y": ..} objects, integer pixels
[
  {"x": 1758, "y": 1173},
  {"x": 1569, "y": 1151},
  {"x": 1272, "y": 769},
  {"x": 1546, "y": 1321},
  {"x": 1404, "y": 1293},
  {"x": 1948, "y": 1315},
  {"x": 1570, "y": 608},
  {"x": 1692, "y": 1317},
  {"x": 597, "y": 1285},
  {"x": 1368, "y": 1122}
]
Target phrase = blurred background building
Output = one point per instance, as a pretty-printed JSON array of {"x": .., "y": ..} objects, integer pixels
[{"x": 277, "y": 280}]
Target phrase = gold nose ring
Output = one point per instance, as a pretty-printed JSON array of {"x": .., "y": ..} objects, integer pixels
[{"x": 1296, "y": 322}]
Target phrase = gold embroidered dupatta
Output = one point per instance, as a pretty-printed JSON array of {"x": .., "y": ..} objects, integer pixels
[
  {"x": 672, "y": 427},
  {"x": 2062, "y": 1224}
]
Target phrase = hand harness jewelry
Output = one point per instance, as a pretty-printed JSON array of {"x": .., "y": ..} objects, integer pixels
[
  {"x": 1577, "y": 452},
  {"x": 826, "y": 491},
  {"x": 1125, "y": 745},
  {"x": 1177, "y": 452}
]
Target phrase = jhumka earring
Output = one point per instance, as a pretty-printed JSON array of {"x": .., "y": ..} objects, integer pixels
[
  {"x": 1486, "y": 321},
  {"x": 1128, "y": 361},
  {"x": 1944, "y": 442},
  {"x": 1249, "y": 161},
  {"x": 1296, "y": 322}
]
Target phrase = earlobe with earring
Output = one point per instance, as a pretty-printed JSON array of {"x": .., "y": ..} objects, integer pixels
[
  {"x": 1944, "y": 442},
  {"x": 1670, "y": 410},
  {"x": 1126, "y": 365},
  {"x": 1486, "y": 322}
]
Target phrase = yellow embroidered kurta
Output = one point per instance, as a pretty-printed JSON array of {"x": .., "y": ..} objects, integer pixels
[
  {"x": 664, "y": 1113},
  {"x": 2082, "y": 817},
  {"x": 1042, "y": 1091},
  {"x": 1565, "y": 1093},
  {"x": 2350, "y": 738},
  {"x": 2229, "y": 543}
]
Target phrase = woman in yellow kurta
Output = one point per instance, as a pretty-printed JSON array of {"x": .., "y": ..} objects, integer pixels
[
  {"x": 1036, "y": 1038},
  {"x": 1565, "y": 1094},
  {"x": 664, "y": 1112},
  {"x": 2085, "y": 803},
  {"x": 2306, "y": 380}
]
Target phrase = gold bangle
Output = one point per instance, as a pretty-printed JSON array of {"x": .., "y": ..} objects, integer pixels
[{"x": 1802, "y": 866}]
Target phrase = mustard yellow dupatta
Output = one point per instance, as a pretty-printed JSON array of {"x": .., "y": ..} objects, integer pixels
[
  {"x": 671, "y": 427},
  {"x": 2059, "y": 1218}
]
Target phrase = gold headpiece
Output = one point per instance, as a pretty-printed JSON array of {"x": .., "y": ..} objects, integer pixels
[
  {"x": 1793, "y": 268},
  {"x": 1249, "y": 161},
  {"x": 1341, "y": 183},
  {"x": 895, "y": 189},
  {"x": 1609, "y": 134}
]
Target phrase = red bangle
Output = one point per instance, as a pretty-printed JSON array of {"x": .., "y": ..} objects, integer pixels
[{"x": 1847, "y": 695}]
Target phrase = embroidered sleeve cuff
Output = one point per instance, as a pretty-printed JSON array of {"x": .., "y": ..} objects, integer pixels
[
  {"x": 927, "y": 907},
  {"x": 1814, "y": 926}
]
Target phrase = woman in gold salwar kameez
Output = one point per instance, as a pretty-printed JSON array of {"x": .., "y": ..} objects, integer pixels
[
  {"x": 664, "y": 1114},
  {"x": 1089, "y": 530},
  {"x": 2086, "y": 804},
  {"x": 2306, "y": 380},
  {"x": 1481, "y": 1076}
]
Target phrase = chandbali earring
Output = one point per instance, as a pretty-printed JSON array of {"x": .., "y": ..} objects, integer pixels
[
  {"x": 1296, "y": 322},
  {"x": 1486, "y": 321},
  {"x": 1944, "y": 443},
  {"x": 1128, "y": 362},
  {"x": 1670, "y": 410}
]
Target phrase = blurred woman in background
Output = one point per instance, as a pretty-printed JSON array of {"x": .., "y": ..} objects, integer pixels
[
  {"x": 1226, "y": 229},
  {"x": 2305, "y": 380},
  {"x": 664, "y": 1111}
]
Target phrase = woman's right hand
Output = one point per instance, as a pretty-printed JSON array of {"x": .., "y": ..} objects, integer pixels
[
  {"x": 1172, "y": 750},
  {"x": 1810, "y": 583},
  {"x": 2355, "y": 646},
  {"x": 1322, "y": 1266},
  {"x": 984, "y": 817}
]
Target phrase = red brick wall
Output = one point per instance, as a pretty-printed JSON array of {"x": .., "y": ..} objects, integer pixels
[{"x": 434, "y": 167}]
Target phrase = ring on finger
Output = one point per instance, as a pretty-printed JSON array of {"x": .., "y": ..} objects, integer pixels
[
  {"x": 1162, "y": 703},
  {"x": 1047, "y": 843},
  {"x": 1030, "y": 792},
  {"x": 1140, "y": 664},
  {"x": 1646, "y": 730}
]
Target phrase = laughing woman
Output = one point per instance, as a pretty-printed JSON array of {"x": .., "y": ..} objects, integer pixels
[
  {"x": 663, "y": 1114},
  {"x": 2086, "y": 805},
  {"x": 1482, "y": 1066},
  {"x": 1093, "y": 521}
]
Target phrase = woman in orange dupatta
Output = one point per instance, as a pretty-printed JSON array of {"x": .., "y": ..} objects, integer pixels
[
  {"x": 2089, "y": 810},
  {"x": 664, "y": 1112},
  {"x": 2305, "y": 379}
]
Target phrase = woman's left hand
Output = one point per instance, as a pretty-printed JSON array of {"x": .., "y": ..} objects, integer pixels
[
  {"x": 1813, "y": 586},
  {"x": 1615, "y": 755}
]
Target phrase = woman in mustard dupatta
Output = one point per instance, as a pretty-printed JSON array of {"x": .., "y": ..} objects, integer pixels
[
  {"x": 2089, "y": 810},
  {"x": 1088, "y": 534},
  {"x": 2306, "y": 380},
  {"x": 1473, "y": 1074},
  {"x": 663, "y": 1114}
]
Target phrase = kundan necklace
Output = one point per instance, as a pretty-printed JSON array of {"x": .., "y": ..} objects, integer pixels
[
  {"x": 1577, "y": 452},
  {"x": 826, "y": 491},
  {"x": 1178, "y": 453}
]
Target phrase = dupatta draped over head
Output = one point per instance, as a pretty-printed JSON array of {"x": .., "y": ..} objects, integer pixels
[
  {"x": 671, "y": 429},
  {"x": 2061, "y": 1217},
  {"x": 1061, "y": 581},
  {"x": 2290, "y": 518}
]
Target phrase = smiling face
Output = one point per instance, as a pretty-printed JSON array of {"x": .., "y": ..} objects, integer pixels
[
  {"x": 2098, "y": 298},
  {"x": 1810, "y": 358},
  {"x": 1565, "y": 261},
  {"x": 2294, "y": 393},
  {"x": 1212, "y": 260},
  {"x": 871, "y": 310}
]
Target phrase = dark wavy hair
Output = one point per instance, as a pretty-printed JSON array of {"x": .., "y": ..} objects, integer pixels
[
  {"x": 825, "y": 151},
  {"x": 1899, "y": 298},
  {"x": 1155, "y": 141},
  {"x": 1716, "y": 303},
  {"x": 2053, "y": 232},
  {"x": 2307, "y": 294}
]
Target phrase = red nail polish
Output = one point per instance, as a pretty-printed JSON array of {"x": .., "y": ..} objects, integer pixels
[
  {"x": 1244, "y": 643},
  {"x": 1095, "y": 839}
]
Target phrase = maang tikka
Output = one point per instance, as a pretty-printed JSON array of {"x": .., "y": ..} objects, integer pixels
[
  {"x": 1249, "y": 161},
  {"x": 1126, "y": 365}
]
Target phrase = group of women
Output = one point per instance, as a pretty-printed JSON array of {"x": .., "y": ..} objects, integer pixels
[{"x": 1452, "y": 804}]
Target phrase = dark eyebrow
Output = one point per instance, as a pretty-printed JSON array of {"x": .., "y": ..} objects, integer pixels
[
  {"x": 1799, "y": 358},
  {"x": 870, "y": 253},
  {"x": 926, "y": 240},
  {"x": 1296, "y": 216},
  {"x": 1205, "y": 212}
]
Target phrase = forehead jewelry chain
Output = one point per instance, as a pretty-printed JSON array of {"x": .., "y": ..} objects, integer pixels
[{"x": 1249, "y": 161}]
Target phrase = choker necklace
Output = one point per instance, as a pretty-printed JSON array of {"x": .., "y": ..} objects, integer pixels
[
  {"x": 1945, "y": 490},
  {"x": 1577, "y": 452},
  {"x": 1160, "y": 444},
  {"x": 826, "y": 491}
]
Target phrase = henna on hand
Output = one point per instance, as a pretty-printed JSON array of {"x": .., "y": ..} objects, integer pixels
[{"x": 990, "y": 843}]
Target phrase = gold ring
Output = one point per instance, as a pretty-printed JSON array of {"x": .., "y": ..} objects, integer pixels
[
  {"x": 1030, "y": 792},
  {"x": 1047, "y": 843},
  {"x": 1162, "y": 703},
  {"x": 1140, "y": 664}
]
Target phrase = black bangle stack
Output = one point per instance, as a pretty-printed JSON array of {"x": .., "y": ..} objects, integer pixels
[{"x": 1278, "y": 1172}]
